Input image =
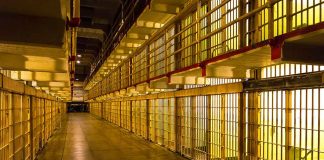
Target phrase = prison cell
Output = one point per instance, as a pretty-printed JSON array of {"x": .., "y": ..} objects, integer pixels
[
  {"x": 26, "y": 122},
  {"x": 17, "y": 126},
  {"x": 170, "y": 48},
  {"x": 26, "y": 127},
  {"x": 162, "y": 122},
  {"x": 199, "y": 126},
  {"x": 152, "y": 120},
  {"x": 123, "y": 114},
  {"x": 159, "y": 121},
  {"x": 125, "y": 74},
  {"x": 137, "y": 105},
  {"x": 185, "y": 116},
  {"x": 128, "y": 115},
  {"x": 133, "y": 109},
  {"x": 156, "y": 57},
  {"x": 107, "y": 111},
  {"x": 143, "y": 118},
  {"x": 171, "y": 125},
  {"x": 139, "y": 66}
]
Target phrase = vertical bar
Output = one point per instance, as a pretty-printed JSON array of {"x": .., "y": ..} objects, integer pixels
[
  {"x": 289, "y": 16},
  {"x": 208, "y": 27},
  {"x": 101, "y": 110},
  {"x": 223, "y": 23},
  {"x": 120, "y": 113},
  {"x": 147, "y": 119},
  {"x": 147, "y": 64},
  {"x": 256, "y": 22},
  {"x": 193, "y": 127},
  {"x": 198, "y": 29},
  {"x": 241, "y": 113},
  {"x": 208, "y": 121},
  {"x": 178, "y": 124},
  {"x": 241, "y": 26},
  {"x": 223, "y": 137},
  {"x": 131, "y": 115},
  {"x": 31, "y": 119},
  {"x": 254, "y": 102},
  {"x": 270, "y": 21}
]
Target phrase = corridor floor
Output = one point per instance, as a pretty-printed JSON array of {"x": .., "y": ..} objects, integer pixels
[{"x": 83, "y": 137}]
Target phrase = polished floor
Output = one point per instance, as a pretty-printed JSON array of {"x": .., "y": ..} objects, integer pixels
[{"x": 83, "y": 137}]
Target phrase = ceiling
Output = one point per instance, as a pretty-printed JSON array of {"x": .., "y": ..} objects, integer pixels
[
  {"x": 33, "y": 43},
  {"x": 97, "y": 18}
]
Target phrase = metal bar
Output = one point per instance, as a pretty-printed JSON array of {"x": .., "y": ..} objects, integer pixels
[
  {"x": 241, "y": 126},
  {"x": 208, "y": 127},
  {"x": 288, "y": 82},
  {"x": 193, "y": 125}
]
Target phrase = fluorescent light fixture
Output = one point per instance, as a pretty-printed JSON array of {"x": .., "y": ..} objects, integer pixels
[
  {"x": 79, "y": 55},
  {"x": 78, "y": 61}
]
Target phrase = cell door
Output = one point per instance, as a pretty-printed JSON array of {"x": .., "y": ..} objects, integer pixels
[
  {"x": 185, "y": 118},
  {"x": 200, "y": 127}
]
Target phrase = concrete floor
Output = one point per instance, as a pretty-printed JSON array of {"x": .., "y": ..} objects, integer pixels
[{"x": 83, "y": 137}]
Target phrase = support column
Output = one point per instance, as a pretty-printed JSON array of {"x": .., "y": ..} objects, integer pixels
[
  {"x": 253, "y": 120},
  {"x": 241, "y": 126}
]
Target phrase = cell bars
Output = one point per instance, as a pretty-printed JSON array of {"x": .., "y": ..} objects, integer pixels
[
  {"x": 27, "y": 122},
  {"x": 162, "y": 122},
  {"x": 287, "y": 124},
  {"x": 257, "y": 124}
]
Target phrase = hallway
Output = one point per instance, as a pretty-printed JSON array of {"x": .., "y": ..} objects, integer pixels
[{"x": 83, "y": 137}]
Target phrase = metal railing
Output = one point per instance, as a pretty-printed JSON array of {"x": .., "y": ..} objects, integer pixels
[{"x": 198, "y": 35}]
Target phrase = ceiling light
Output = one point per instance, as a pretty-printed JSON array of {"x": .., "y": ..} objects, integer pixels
[
  {"x": 77, "y": 79},
  {"x": 79, "y": 55},
  {"x": 78, "y": 62}
]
